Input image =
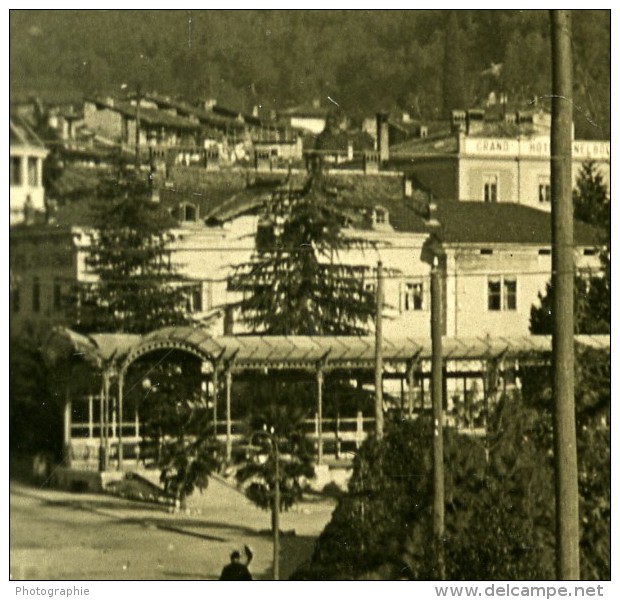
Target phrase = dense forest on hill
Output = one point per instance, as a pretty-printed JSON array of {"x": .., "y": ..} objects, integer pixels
[{"x": 423, "y": 61}]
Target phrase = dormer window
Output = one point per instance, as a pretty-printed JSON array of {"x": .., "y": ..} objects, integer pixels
[
  {"x": 188, "y": 212},
  {"x": 380, "y": 217}
]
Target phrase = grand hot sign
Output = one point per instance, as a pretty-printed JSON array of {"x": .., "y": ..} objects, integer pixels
[{"x": 537, "y": 147}]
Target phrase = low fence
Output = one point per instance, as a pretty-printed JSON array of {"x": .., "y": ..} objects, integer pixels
[{"x": 339, "y": 436}]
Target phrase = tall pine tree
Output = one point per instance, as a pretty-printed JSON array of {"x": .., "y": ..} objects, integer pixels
[
  {"x": 138, "y": 288},
  {"x": 296, "y": 284},
  {"x": 591, "y": 204}
]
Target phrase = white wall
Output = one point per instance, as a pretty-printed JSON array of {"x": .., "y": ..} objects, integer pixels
[{"x": 26, "y": 189}]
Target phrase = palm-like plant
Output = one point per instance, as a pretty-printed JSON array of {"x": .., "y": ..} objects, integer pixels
[{"x": 282, "y": 457}]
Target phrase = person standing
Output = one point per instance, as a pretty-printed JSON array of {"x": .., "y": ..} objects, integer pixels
[{"x": 237, "y": 570}]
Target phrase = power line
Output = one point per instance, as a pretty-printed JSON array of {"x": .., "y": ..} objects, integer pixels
[{"x": 131, "y": 280}]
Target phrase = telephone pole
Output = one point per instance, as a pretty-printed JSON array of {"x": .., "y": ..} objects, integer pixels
[
  {"x": 276, "y": 508},
  {"x": 379, "y": 354},
  {"x": 564, "y": 435},
  {"x": 437, "y": 399},
  {"x": 138, "y": 97}
]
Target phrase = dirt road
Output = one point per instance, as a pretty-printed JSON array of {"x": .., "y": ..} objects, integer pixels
[{"x": 65, "y": 536}]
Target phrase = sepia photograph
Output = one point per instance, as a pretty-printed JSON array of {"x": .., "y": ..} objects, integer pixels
[{"x": 310, "y": 295}]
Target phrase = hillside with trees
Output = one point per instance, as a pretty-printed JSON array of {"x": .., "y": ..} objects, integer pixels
[{"x": 363, "y": 60}]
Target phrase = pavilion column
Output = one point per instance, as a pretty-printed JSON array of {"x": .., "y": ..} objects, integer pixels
[
  {"x": 319, "y": 410},
  {"x": 410, "y": 383},
  {"x": 90, "y": 416},
  {"x": 121, "y": 383},
  {"x": 103, "y": 422},
  {"x": 228, "y": 415},
  {"x": 66, "y": 448},
  {"x": 215, "y": 384}
]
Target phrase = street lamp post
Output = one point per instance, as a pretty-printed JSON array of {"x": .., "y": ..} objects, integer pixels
[
  {"x": 276, "y": 510},
  {"x": 275, "y": 500}
]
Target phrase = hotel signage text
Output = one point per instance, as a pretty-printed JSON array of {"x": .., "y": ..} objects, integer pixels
[{"x": 595, "y": 150}]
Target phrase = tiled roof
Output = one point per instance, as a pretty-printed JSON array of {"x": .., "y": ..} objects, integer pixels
[
  {"x": 260, "y": 351},
  {"x": 366, "y": 192},
  {"x": 503, "y": 223},
  {"x": 21, "y": 134},
  {"x": 441, "y": 143},
  {"x": 305, "y": 111},
  {"x": 147, "y": 115},
  {"x": 217, "y": 116}
]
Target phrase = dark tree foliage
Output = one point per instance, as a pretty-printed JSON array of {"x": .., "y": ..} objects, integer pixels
[
  {"x": 499, "y": 519},
  {"x": 454, "y": 93},
  {"x": 282, "y": 425},
  {"x": 35, "y": 402},
  {"x": 295, "y": 284},
  {"x": 591, "y": 202},
  {"x": 138, "y": 288},
  {"x": 592, "y": 291},
  {"x": 593, "y": 418},
  {"x": 178, "y": 426}
]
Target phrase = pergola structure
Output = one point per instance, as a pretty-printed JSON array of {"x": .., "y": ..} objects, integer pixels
[{"x": 404, "y": 358}]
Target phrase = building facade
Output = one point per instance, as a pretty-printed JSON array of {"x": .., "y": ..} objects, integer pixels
[
  {"x": 26, "y": 155},
  {"x": 506, "y": 161}
]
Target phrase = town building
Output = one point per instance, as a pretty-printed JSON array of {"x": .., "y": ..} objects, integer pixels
[
  {"x": 501, "y": 160},
  {"x": 495, "y": 257},
  {"x": 26, "y": 155}
]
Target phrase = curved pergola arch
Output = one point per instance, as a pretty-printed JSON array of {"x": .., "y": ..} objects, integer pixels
[{"x": 146, "y": 348}]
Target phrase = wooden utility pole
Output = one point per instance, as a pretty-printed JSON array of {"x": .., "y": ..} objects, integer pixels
[
  {"x": 276, "y": 510},
  {"x": 437, "y": 399},
  {"x": 565, "y": 445},
  {"x": 121, "y": 383},
  {"x": 379, "y": 354},
  {"x": 138, "y": 95}
]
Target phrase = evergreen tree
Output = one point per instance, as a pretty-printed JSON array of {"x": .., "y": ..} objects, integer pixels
[
  {"x": 591, "y": 202},
  {"x": 138, "y": 288},
  {"x": 295, "y": 283},
  {"x": 592, "y": 292}
]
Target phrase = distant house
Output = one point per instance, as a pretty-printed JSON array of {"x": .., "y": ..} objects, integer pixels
[
  {"x": 310, "y": 118},
  {"x": 26, "y": 155},
  {"x": 401, "y": 128},
  {"x": 116, "y": 120}
]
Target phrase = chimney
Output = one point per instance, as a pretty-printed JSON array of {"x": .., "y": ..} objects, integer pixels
[
  {"x": 316, "y": 103},
  {"x": 371, "y": 162},
  {"x": 475, "y": 120},
  {"x": 229, "y": 320},
  {"x": 383, "y": 137},
  {"x": 350, "y": 150},
  {"x": 431, "y": 215},
  {"x": 407, "y": 187},
  {"x": 458, "y": 121},
  {"x": 406, "y": 117}
]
